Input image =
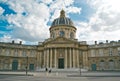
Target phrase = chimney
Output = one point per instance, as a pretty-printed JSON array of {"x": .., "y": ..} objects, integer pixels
[
  {"x": 13, "y": 41},
  {"x": 20, "y": 42},
  {"x": 95, "y": 42},
  {"x": 106, "y": 41}
]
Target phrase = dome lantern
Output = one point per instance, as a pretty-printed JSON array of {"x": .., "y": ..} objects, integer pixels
[{"x": 62, "y": 13}]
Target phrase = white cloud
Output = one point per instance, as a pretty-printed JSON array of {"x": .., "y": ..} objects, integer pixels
[
  {"x": 73, "y": 10},
  {"x": 104, "y": 23},
  {"x": 5, "y": 38},
  {"x": 1, "y": 10},
  {"x": 67, "y": 5},
  {"x": 30, "y": 22},
  {"x": 33, "y": 25},
  {"x": 46, "y": 1}
]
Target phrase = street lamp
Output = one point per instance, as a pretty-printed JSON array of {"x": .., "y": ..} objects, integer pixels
[
  {"x": 80, "y": 69},
  {"x": 26, "y": 65}
]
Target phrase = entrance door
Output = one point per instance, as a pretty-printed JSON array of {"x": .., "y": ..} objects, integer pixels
[
  {"x": 111, "y": 64},
  {"x": 61, "y": 63},
  {"x": 93, "y": 67},
  {"x": 31, "y": 67},
  {"x": 102, "y": 65},
  {"x": 15, "y": 65}
]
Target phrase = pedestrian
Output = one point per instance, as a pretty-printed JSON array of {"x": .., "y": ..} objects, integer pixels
[
  {"x": 50, "y": 71},
  {"x": 46, "y": 69}
]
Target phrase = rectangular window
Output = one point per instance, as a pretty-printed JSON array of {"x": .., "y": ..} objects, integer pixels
[
  {"x": 24, "y": 53},
  {"x": 101, "y": 52},
  {"x": 16, "y": 52},
  {"x": 0, "y": 51},
  {"x": 92, "y": 53},
  {"x": 119, "y": 51},
  {"x": 7, "y": 52},
  {"x": 32, "y": 53},
  {"x": 110, "y": 51}
]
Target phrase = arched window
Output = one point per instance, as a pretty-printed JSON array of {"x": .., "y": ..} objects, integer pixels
[
  {"x": 71, "y": 35},
  {"x": 53, "y": 35},
  {"x": 111, "y": 60},
  {"x": 102, "y": 61},
  {"x": 62, "y": 33}
]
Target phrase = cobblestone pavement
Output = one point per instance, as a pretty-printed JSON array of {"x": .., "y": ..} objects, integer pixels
[
  {"x": 36, "y": 78},
  {"x": 60, "y": 76}
]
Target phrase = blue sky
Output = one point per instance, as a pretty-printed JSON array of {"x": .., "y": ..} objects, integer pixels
[{"x": 29, "y": 20}]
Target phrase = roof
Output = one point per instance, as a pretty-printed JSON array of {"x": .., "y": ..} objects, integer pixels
[{"x": 62, "y": 20}]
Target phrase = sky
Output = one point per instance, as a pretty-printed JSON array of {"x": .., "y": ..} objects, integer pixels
[{"x": 29, "y": 20}]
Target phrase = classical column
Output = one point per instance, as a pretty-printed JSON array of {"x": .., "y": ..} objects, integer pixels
[
  {"x": 41, "y": 64},
  {"x": 65, "y": 58},
  {"x": 77, "y": 58},
  {"x": 70, "y": 58},
  {"x": 51, "y": 58},
  {"x": 44, "y": 58},
  {"x": 74, "y": 54},
  {"x": 47, "y": 57},
  {"x": 55, "y": 58}
]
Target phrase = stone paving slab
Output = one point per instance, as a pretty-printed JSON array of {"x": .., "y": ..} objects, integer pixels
[
  {"x": 60, "y": 74},
  {"x": 16, "y": 73}
]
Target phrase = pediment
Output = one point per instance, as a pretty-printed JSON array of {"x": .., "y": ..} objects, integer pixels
[{"x": 61, "y": 40}]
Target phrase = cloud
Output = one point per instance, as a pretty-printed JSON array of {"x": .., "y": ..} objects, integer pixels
[
  {"x": 45, "y": 1},
  {"x": 1, "y": 10},
  {"x": 82, "y": 31},
  {"x": 67, "y": 5},
  {"x": 103, "y": 24},
  {"x": 30, "y": 23},
  {"x": 73, "y": 10},
  {"x": 5, "y": 38}
]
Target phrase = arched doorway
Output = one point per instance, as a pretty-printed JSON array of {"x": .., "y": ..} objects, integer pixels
[
  {"x": 102, "y": 64},
  {"x": 31, "y": 67},
  {"x": 15, "y": 65},
  {"x": 61, "y": 63},
  {"x": 111, "y": 64},
  {"x": 93, "y": 66}
]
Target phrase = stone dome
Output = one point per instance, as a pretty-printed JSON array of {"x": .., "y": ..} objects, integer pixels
[{"x": 62, "y": 20}]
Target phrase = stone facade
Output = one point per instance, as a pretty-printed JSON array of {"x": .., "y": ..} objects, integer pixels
[
  {"x": 104, "y": 56},
  {"x": 61, "y": 51},
  {"x": 14, "y": 56}
]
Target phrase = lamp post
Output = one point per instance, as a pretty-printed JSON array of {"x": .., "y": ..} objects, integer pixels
[
  {"x": 26, "y": 66},
  {"x": 80, "y": 69}
]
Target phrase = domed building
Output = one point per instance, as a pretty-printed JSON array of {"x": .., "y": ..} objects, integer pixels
[
  {"x": 62, "y": 50},
  {"x": 62, "y": 27}
]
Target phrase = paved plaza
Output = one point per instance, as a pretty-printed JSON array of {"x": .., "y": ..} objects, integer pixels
[{"x": 60, "y": 76}]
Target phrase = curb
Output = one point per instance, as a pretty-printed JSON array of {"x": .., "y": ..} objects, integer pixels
[
  {"x": 93, "y": 75},
  {"x": 18, "y": 74}
]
